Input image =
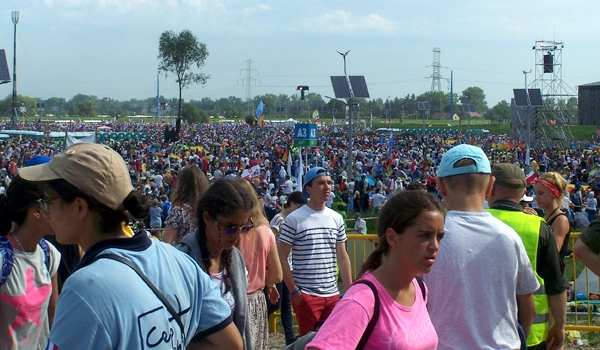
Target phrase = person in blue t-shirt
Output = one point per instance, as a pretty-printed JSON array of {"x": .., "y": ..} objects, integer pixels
[{"x": 119, "y": 297}]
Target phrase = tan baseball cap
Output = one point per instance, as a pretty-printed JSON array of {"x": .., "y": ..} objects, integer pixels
[{"x": 94, "y": 169}]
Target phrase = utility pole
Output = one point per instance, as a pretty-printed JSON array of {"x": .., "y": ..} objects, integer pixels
[
  {"x": 13, "y": 115},
  {"x": 350, "y": 141},
  {"x": 525, "y": 73}
]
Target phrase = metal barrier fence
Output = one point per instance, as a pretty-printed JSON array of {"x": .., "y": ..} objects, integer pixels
[{"x": 582, "y": 315}]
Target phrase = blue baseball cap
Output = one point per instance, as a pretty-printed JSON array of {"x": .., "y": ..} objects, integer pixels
[
  {"x": 464, "y": 151},
  {"x": 37, "y": 160},
  {"x": 311, "y": 175}
]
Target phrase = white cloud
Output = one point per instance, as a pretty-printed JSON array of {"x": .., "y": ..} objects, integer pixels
[
  {"x": 345, "y": 22},
  {"x": 261, "y": 7}
]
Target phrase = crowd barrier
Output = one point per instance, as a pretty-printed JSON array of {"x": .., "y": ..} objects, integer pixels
[{"x": 582, "y": 315}]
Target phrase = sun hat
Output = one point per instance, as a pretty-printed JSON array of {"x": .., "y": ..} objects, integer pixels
[
  {"x": 312, "y": 174},
  {"x": 94, "y": 169},
  {"x": 447, "y": 165}
]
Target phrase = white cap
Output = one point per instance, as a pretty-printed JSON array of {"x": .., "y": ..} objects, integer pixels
[{"x": 526, "y": 198}]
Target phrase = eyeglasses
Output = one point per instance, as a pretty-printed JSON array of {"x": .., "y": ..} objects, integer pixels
[
  {"x": 231, "y": 229},
  {"x": 44, "y": 203}
]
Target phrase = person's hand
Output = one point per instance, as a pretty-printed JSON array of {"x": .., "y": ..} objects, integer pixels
[
  {"x": 272, "y": 294},
  {"x": 530, "y": 211},
  {"x": 556, "y": 338},
  {"x": 296, "y": 299}
]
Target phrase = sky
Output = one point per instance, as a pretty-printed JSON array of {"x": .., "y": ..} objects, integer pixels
[{"x": 109, "y": 48}]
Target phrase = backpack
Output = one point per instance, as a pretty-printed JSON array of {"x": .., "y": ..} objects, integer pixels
[{"x": 8, "y": 257}]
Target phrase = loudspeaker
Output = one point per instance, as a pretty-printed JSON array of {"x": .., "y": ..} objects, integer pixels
[{"x": 548, "y": 63}]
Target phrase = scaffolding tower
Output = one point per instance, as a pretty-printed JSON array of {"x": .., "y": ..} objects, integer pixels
[{"x": 550, "y": 124}]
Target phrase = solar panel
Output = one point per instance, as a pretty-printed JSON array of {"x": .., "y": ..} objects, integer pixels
[
  {"x": 390, "y": 106},
  {"x": 472, "y": 108},
  {"x": 359, "y": 86},
  {"x": 520, "y": 97},
  {"x": 420, "y": 106},
  {"x": 535, "y": 98},
  {"x": 465, "y": 108},
  {"x": 4, "y": 73},
  {"x": 297, "y": 109},
  {"x": 426, "y": 106},
  {"x": 322, "y": 108},
  {"x": 355, "y": 107},
  {"x": 340, "y": 87}
]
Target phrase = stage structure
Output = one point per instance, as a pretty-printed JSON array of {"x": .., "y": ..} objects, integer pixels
[{"x": 547, "y": 123}]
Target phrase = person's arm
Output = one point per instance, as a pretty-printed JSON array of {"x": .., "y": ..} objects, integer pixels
[
  {"x": 343, "y": 261},
  {"x": 283, "y": 249},
  {"x": 558, "y": 308},
  {"x": 169, "y": 234},
  {"x": 53, "y": 299},
  {"x": 526, "y": 306},
  {"x": 560, "y": 228},
  {"x": 587, "y": 256},
  {"x": 274, "y": 271},
  {"x": 225, "y": 339}
]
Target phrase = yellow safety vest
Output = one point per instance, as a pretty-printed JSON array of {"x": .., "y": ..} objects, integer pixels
[{"x": 528, "y": 228}]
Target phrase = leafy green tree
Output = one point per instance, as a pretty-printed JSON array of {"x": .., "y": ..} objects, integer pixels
[
  {"x": 499, "y": 112},
  {"x": 474, "y": 95},
  {"x": 250, "y": 120},
  {"x": 86, "y": 108},
  {"x": 189, "y": 113},
  {"x": 177, "y": 54}
]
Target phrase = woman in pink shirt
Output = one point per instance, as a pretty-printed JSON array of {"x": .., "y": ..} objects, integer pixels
[
  {"x": 410, "y": 227},
  {"x": 264, "y": 270}
]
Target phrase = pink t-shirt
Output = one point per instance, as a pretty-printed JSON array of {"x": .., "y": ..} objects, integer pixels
[
  {"x": 255, "y": 248},
  {"x": 398, "y": 327}
]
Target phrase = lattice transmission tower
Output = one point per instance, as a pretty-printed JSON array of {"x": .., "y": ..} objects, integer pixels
[
  {"x": 249, "y": 81},
  {"x": 436, "y": 76}
]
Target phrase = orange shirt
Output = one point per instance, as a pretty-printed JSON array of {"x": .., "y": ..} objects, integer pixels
[{"x": 255, "y": 248}]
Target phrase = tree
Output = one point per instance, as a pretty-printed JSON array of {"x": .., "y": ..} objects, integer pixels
[
  {"x": 474, "y": 95},
  {"x": 189, "y": 113},
  {"x": 501, "y": 111},
  {"x": 177, "y": 54}
]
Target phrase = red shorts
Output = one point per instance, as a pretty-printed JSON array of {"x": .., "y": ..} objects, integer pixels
[{"x": 313, "y": 309}]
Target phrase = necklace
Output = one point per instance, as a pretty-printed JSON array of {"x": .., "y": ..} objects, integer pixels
[
  {"x": 549, "y": 216},
  {"x": 17, "y": 240}
]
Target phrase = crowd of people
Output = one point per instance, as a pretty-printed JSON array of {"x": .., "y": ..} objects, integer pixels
[{"x": 193, "y": 243}]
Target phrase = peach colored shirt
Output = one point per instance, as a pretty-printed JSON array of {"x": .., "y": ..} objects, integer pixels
[{"x": 255, "y": 248}]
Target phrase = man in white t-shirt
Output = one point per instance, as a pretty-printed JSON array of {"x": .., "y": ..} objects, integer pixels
[{"x": 482, "y": 262}]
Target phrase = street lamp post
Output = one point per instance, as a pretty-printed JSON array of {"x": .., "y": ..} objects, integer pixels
[
  {"x": 13, "y": 114},
  {"x": 350, "y": 141}
]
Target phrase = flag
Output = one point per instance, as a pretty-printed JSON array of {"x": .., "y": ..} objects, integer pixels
[
  {"x": 527, "y": 156},
  {"x": 598, "y": 132},
  {"x": 260, "y": 115},
  {"x": 390, "y": 146},
  {"x": 39, "y": 120},
  {"x": 315, "y": 115},
  {"x": 371, "y": 119},
  {"x": 286, "y": 154},
  {"x": 300, "y": 170},
  {"x": 531, "y": 177}
]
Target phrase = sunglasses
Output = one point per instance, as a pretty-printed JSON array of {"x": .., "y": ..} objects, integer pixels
[{"x": 231, "y": 229}]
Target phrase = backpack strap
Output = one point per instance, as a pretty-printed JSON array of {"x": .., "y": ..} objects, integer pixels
[
  {"x": 139, "y": 272},
  {"x": 8, "y": 258},
  {"x": 373, "y": 322},
  {"x": 422, "y": 286},
  {"x": 44, "y": 245}
]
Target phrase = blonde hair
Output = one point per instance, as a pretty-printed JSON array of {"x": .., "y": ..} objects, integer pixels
[
  {"x": 558, "y": 181},
  {"x": 257, "y": 211}
]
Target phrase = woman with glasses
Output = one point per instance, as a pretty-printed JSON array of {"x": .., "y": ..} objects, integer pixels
[
  {"x": 119, "y": 297},
  {"x": 28, "y": 286},
  {"x": 223, "y": 217},
  {"x": 264, "y": 270}
]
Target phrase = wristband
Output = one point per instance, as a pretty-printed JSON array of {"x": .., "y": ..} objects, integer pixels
[
  {"x": 272, "y": 285},
  {"x": 295, "y": 291}
]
